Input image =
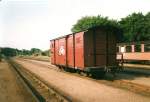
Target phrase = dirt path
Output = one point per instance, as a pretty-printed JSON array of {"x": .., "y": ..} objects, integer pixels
[
  {"x": 143, "y": 80},
  {"x": 81, "y": 89},
  {"x": 11, "y": 88}
]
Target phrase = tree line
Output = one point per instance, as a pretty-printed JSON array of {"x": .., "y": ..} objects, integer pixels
[
  {"x": 10, "y": 52},
  {"x": 134, "y": 27}
]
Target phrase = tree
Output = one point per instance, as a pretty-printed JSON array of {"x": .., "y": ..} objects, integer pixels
[
  {"x": 35, "y": 51},
  {"x": 135, "y": 27},
  {"x": 92, "y": 21},
  {"x": 9, "y": 52},
  {"x": 46, "y": 53},
  {"x": 147, "y": 17},
  {"x": 0, "y": 55},
  {"x": 26, "y": 52},
  {"x": 98, "y": 21}
]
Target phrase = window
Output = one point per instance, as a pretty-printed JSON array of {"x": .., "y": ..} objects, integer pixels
[
  {"x": 147, "y": 47},
  {"x": 137, "y": 48},
  {"x": 128, "y": 48},
  {"x": 122, "y": 49}
]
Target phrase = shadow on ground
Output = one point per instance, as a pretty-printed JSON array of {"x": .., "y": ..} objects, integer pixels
[{"x": 127, "y": 74}]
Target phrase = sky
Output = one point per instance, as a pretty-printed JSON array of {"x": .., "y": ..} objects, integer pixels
[{"x": 26, "y": 24}]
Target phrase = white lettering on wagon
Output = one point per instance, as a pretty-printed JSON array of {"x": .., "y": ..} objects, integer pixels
[{"x": 61, "y": 50}]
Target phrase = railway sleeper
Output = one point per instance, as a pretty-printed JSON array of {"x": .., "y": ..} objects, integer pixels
[{"x": 46, "y": 93}]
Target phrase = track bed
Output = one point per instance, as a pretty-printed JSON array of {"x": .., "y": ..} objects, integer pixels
[
  {"x": 11, "y": 86},
  {"x": 81, "y": 89},
  {"x": 135, "y": 75}
]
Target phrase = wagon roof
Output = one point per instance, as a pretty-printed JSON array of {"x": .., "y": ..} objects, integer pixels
[
  {"x": 67, "y": 35},
  {"x": 117, "y": 31}
]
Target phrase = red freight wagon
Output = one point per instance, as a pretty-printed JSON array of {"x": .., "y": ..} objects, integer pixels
[{"x": 92, "y": 51}]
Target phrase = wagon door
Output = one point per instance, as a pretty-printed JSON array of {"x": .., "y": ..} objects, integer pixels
[
  {"x": 52, "y": 49},
  {"x": 70, "y": 51},
  {"x": 105, "y": 48},
  {"x": 100, "y": 47},
  {"x": 79, "y": 50},
  {"x": 95, "y": 48},
  {"x": 61, "y": 52}
]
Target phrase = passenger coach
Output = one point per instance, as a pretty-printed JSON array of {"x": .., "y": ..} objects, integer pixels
[{"x": 134, "y": 51}]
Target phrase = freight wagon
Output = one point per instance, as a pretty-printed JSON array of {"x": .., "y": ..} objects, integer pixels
[{"x": 91, "y": 51}]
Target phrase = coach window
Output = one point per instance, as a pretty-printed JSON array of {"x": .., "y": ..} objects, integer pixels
[
  {"x": 128, "y": 48},
  {"x": 137, "y": 48},
  {"x": 123, "y": 49},
  {"x": 147, "y": 48}
]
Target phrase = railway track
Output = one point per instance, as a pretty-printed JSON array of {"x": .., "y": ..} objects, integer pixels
[
  {"x": 40, "y": 89},
  {"x": 121, "y": 81}
]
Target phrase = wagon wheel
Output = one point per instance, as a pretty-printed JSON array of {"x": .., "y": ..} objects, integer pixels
[
  {"x": 100, "y": 74},
  {"x": 87, "y": 74},
  {"x": 78, "y": 71}
]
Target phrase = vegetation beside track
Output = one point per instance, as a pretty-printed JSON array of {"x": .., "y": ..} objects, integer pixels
[{"x": 39, "y": 58}]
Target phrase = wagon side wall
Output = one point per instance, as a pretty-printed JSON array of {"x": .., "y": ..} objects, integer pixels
[
  {"x": 52, "y": 51},
  {"x": 100, "y": 48},
  {"x": 70, "y": 51},
  {"x": 60, "y": 51},
  {"x": 112, "y": 41},
  {"x": 79, "y": 50}
]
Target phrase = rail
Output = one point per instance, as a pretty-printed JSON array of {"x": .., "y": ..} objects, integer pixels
[
  {"x": 40, "y": 89},
  {"x": 114, "y": 81}
]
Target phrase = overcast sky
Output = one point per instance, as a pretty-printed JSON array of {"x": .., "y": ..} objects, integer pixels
[{"x": 25, "y": 24}]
